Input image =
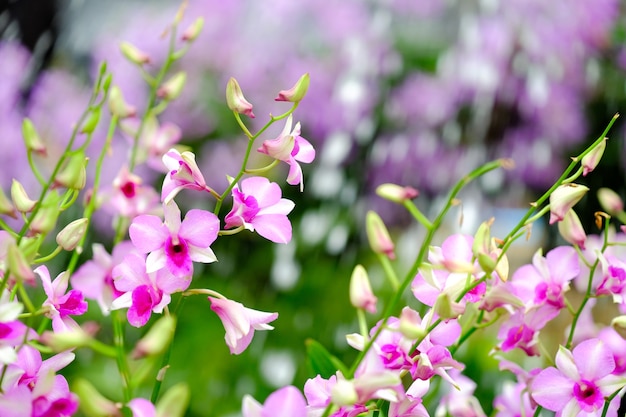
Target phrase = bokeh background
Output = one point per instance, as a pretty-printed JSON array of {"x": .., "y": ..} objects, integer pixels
[{"x": 412, "y": 92}]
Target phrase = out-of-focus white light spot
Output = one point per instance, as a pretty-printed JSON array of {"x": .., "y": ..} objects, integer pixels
[
  {"x": 351, "y": 91},
  {"x": 326, "y": 182},
  {"x": 337, "y": 239},
  {"x": 285, "y": 270},
  {"x": 314, "y": 226},
  {"x": 336, "y": 148},
  {"x": 541, "y": 153},
  {"x": 278, "y": 368}
]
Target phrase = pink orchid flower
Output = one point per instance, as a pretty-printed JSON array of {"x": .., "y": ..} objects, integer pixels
[
  {"x": 156, "y": 139},
  {"x": 94, "y": 278},
  {"x": 292, "y": 148},
  {"x": 580, "y": 382},
  {"x": 61, "y": 305},
  {"x": 129, "y": 196},
  {"x": 144, "y": 292},
  {"x": 258, "y": 206},
  {"x": 142, "y": 408},
  {"x": 240, "y": 322},
  {"x": 183, "y": 173},
  {"x": 173, "y": 244}
]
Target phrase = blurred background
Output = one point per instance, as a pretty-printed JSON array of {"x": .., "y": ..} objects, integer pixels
[{"x": 416, "y": 93}]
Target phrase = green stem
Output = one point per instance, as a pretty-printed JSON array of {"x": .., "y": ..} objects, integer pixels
[
  {"x": 120, "y": 354},
  {"x": 417, "y": 214}
]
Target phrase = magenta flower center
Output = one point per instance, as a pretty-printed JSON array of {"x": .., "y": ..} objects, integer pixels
[
  {"x": 549, "y": 293},
  {"x": 588, "y": 395},
  {"x": 296, "y": 148},
  {"x": 72, "y": 303},
  {"x": 178, "y": 253},
  {"x": 5, "y": 330},
  {"x": 393, "y": 357},
  {"x": 129, "y": 189}
]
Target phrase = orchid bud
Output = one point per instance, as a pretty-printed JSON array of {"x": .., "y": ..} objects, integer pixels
[
  {"x": 21, "y": 201},
  {"x": 72, "y": 338},
  {"x": 72, "y": 234},
  {"x": 92, "y": 403},
  {"x": 46, "y": 218},
  {"x": 134, "y": 54},
  {"x": 6, "y": 207},
  {"x": 610, "y": 201},
  {"x": 446, "y": 308},
  {"x": 191, "y": 33},
  {"x": 591, "y": 160},
  {"x": 174, "y": 402},
  {"x": 18, "y": 265},
  {"x": 378, "y": 235},
  {"x": 572, "y": 230},
  {"x": 92, "y": 120},
  {"x": 296, "y": 93},
  {"x": 482, "y": 238},
  {"x": 118, "y": 106},
  {"x": 172, "y": 88},
  {"x": 564, "y": 198},
  {"x": 396, "y": 193},
  {"x": 31, "y": 138},
  {"x": 74, "y": 174},
  {"x": 343, "y": 393},
  {"x": 157, "y": 339},
  {"x": 361, "y": 295},
  {"x": 410, "y": 324},
  {"x": 235, "y": 99}
]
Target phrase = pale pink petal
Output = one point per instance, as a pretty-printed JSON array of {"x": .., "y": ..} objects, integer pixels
[
  {"x": 274, "y": 227},
  {"x": 593, "y": 359},
  {"x": 148, "y": 233},
  {"x": 294, "y": 177},
  {"x": 44, "y": 275},
  {"x": 283, "y": 207},
  {"x": 171, "y": 213},
  {"x": 306, "y": 152},
  {"x": 266, "y": 193},
  {"x": 89, "y": 279},
  {"x": 551, "y": 389},
  {"x": 563, "y": 263},
  {"x": 571, "y": 409},
  {"x": 156, "y": 260},
  {"x": 142, "y": 408},
  {"x": 458, "y": 247},
  {"x": 200, "y": 228},
  {"x": 286, "y": 402},
  {"x": 203, "y": 255},
  {"x": 250, "y": 407},
  {"x": 566, "y": 364},
  {"x": 130, "y": 274},
  {"x": 16, "y": 402},
  {"x": 169, "y": 283}
]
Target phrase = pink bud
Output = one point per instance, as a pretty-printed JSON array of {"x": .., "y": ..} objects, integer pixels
[
  {"x": 172, "y": 88},
  {"x": 572, "y": 230},
  {"x": 21, "y": 201},
  {"x": 118, "y": 106},
  {"x": 73, "y": 175},
  {"x": 591, "y": 160},
  {"x": 610, "y": 201},
  {"x": 31, "y": 138},
  {"x": 378, "y": 235},
  {"x": 396, "y": 193},
  {"x": 564, "y": 198},
  {"x": 191, "y": 33},
  {"x": 71, "y": 235},
  {"x": 18, "y": 265},
  {"x": 361, "y": 295},
  {"x": 235, "y": 99},
  {"x": 133, "y": 54},
  {"x": 158, "y": 338},
  {"x": 296, "y": 93}
]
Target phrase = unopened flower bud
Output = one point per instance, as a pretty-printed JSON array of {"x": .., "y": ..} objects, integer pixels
[
  {"x": 157, "y": 339},
  {"x": 572, "y": 230},
  {"x": 191, "y": 33},
  {"x": 343, "y": 393},
  {"x": 235, "y": 99},
  {"x": 619, "y": 323},
  {"x": 74, "y": 174},
  {"x": 18, "y": 265},
  {"x": 446, "y": 308},
  {"x": 72, "y": 234},
  {"x": 172, "y": 88},
  {"x": 174, "y": 402},
  {"x": 73, "y": 338},
  {"x": 396, "y": 193},
  {"x": 92, "y": 403},
  {"x": 134, "y": 54},
  {"x": 296, "y": 93},
  {"x": 118, "y": 106},
  {"x": 410, "y": 324},
  {"x": 610, "y": 201},
  {"x": 378, "y": 235},
  {"x": 564, "y": 198},
  {"x": 6, "y": 207},
  {"x": 92, "y": 120},
  {"x": 46, "y": 218},
  {"x": 21, "y": 201},
  {"x": 591, "y": 160},
  {"x": 31, "y": 138},
  {"x": 361, "y": 295}
]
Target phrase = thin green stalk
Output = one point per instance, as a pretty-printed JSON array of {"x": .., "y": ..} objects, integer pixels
[{"x": 121, "y": 359}]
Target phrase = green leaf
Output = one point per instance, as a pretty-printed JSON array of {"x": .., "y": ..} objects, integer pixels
[{"x": 321, "y": 361}]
